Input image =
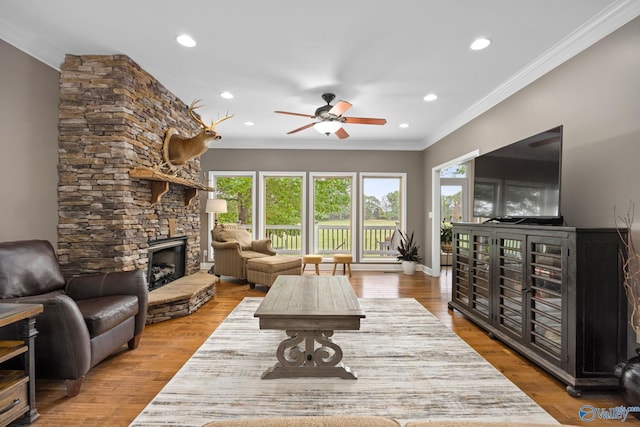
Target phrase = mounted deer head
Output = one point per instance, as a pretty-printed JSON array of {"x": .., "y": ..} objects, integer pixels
[{"x": 177, "y": 151}]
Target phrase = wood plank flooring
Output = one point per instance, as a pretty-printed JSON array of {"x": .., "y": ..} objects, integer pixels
[{"x": 116, "y": 390}]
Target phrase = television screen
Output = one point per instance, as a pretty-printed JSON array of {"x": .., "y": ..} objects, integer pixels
[{"x": 520, "y": 180}]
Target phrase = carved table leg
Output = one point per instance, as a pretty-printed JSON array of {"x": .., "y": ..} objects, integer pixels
[{"x": 324, "y": 361}]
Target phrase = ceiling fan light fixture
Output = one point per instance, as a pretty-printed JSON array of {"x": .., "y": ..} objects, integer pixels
[{"x": 327, "y": 127}]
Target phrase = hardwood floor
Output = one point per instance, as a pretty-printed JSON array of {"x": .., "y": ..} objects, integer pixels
[{"x": 118, "y": 389}]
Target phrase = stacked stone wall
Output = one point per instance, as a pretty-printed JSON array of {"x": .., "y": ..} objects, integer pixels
[{"x": 112, "y": 118}]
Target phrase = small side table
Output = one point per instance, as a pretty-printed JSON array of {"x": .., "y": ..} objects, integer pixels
[
  {"x": 19, "y": 387},
  {"x": 345, "y": 260},
  {"x": 311, "y": 259}
]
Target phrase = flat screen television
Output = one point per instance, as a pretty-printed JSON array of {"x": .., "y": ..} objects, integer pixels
[{"x": 520, "y": 182}]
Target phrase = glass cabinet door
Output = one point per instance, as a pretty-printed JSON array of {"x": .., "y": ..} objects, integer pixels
[
  {"x": 546, "y": 271},
  {"x": 461, "y": 251},
  {"x": 510, "y": 265},
  {"x": 480, "y": 267}
]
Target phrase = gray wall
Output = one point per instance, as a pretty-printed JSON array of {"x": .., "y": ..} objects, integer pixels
[
  {"x": 596, "y": 96},
  {"x": 325, "y": 161},
  {"x": 29, "y": 146}
]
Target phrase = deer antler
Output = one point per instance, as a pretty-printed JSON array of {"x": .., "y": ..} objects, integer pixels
[
  {"x": 213, "y": 124},
  {"x": 194, "y": 105},
  {"x": 197, "y": 119}
]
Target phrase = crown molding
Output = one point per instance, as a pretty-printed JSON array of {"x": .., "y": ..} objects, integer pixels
[
  {"x": 600, "y": 26},
  {"x": 317, "y": 145}
]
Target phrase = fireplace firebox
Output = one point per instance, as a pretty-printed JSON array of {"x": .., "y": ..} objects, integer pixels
[{"x": 167, "y": 259}]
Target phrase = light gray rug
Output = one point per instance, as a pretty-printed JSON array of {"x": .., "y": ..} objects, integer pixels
[{"x": 409, "y": 365}]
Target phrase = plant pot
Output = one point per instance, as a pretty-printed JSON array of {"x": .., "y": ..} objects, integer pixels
[
  {"x": 409, "y": 267},
  {"x": 447, "y": 248},
  {"x": 629, "y": 376}
]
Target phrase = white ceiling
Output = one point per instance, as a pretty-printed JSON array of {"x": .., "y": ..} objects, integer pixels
[{"x": 381, "y": 56}]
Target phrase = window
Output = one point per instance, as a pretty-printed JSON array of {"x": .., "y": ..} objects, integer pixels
[
  {"x": 282, "y": 207},
  {"x": 275, "y": 206},
  {"x": 238, "y": 189},
  {"x": 383, "y": 213},
  {"x": 333, "y": 219}
]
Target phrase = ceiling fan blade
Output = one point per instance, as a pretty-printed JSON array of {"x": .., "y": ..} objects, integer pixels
[
  {"x": 364, "y": 120},
  {"x": 295, "y": 114},
  {"x": 301, "y": 128},
  {"x": 342, "y": 134},
  {"x": 340, "y": 108}
]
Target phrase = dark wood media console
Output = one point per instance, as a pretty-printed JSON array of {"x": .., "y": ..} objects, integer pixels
[{"x": 554, "y": 294}]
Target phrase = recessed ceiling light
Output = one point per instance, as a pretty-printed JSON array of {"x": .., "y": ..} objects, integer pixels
[
  {"x": 248, "y": 123},
  {"x": 404, "y": 125},
  {"x": 430, "y": 97},
  {"x": 226, "y": 95},
  {"x": 479, "y": 44},
  {"x": 186, "y": 40}
]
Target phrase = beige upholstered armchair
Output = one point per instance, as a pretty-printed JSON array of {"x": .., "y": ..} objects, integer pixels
[{"x": 232, "y": 247}]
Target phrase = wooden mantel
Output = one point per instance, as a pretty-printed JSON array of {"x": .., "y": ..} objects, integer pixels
[{"x": 160, "y": 184}]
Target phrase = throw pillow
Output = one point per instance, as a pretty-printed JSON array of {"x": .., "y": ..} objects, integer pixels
[{"x": 227, "y": 233}]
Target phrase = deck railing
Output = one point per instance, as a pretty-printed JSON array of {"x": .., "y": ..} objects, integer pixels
[{"x": 378, "y": 240}]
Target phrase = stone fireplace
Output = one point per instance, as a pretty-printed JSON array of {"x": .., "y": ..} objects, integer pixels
[
  {"x": 112, "y": 119},
  {"x": 166, "y": 261}
]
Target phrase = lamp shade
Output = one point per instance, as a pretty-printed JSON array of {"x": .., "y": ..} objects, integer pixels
[
  {"x": 216, "y": 206},
  {"x": 327, "y": 127}
]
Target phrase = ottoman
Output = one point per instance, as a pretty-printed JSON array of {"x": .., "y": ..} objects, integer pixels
[{"x": 264, "y": 270}]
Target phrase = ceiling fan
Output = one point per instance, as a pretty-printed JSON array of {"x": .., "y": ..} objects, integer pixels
[{"x": 330, "y": 118}]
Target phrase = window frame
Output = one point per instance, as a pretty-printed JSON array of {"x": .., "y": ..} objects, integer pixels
[
  {"x": 211, "y": 179},
  {"x": 403, "y": 213},
  {"x": 262, "y": 177},
  {"x": 354, "y": 209}
]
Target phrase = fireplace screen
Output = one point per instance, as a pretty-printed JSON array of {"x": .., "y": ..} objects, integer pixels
[{"x": 166, "y": 261}]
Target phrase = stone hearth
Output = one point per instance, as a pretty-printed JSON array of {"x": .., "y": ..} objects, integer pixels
[{"x": 181, "y": 297}]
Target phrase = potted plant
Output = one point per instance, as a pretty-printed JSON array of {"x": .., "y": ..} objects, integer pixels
[
  {"x": 629, "y": 372},
  {"x": 446, "y": 236},
  {"x": 408, "y": 253}
]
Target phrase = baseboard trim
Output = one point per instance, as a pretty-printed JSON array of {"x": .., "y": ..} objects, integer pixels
[{"x": 328, "y": 266}]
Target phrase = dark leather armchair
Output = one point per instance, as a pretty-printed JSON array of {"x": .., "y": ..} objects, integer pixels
[{"x": 84, "y": 320}]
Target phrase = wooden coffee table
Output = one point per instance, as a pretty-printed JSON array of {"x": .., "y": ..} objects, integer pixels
[{"x": 309, "y": 309}]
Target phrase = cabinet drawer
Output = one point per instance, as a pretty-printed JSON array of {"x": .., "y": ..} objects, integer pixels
[{"x": 13, "y": 398}]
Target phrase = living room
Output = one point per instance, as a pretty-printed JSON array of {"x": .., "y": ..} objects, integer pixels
[{"x": 593, "y": 95}]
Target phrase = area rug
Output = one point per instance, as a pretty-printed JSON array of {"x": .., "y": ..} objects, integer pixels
[{"x": 409, "y": 366}]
